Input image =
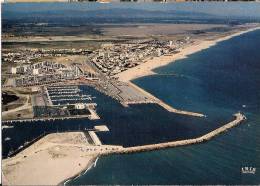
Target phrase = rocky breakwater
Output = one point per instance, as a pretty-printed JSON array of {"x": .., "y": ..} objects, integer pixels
[{"x": 238, "y": 119}]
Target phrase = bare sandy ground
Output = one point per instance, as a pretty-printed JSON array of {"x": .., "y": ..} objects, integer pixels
[
  {"x": 49, "y": 161},
  {"x": 146, "y": 68},
  {"x": 22, "y": 106},
  {"x": 79, "y": 59},
  {"x": 156, "y": 29},
  {"x": 112, "y": 31},
  {"x": 52, "y": 160},
  {"x": 25, "y": 39}
]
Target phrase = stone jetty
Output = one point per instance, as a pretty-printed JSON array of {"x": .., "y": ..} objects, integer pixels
[
  {"x": 163, "y": 104},
  {"x": 238, "y": 119}
]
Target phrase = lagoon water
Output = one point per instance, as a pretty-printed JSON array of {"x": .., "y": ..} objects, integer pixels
[{"x": 217, "y": 81}]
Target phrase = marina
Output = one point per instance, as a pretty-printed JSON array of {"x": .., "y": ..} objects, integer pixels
[{"x": 67, "y": 94}]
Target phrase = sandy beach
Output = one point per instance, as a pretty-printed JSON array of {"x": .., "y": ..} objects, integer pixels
[
  {"x": 147, "y": 67},
  {"x": 49, "y": 161},
  {"x": 52, "y": 160}
]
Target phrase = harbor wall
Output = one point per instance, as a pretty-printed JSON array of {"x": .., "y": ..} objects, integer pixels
[
  {"x": 163, "y": 104},
  {"x": 238, "y": 119},
  {"x": 46, "y": 119}
]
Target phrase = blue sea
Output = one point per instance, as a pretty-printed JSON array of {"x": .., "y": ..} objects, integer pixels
[{"x": 218, "y": 82}]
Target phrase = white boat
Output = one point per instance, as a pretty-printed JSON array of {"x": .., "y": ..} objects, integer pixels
[
  {"x": 7, "y": 139},
  {"x": 7, "y": 127}
]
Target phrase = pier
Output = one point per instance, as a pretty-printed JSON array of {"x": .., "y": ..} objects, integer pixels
[
  {"x": 63, "y": 89},
  {"x": 46, "y": 119},
  {"x": 62, "y": 86},
  {"x": 93, "y": 114},
  {"x": 126, "y": 103},
  {"x": 238, "y": 119},
  {"x": 70, "y": 95},
  {"x": 94, "y": 138},
  {"x": 64, "y": 92},
  {"x": 48, "y": 96},
  {"x": 73, "y": 99}
]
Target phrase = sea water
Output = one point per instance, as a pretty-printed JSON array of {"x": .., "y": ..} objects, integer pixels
[{"x": 218, "y": 81}]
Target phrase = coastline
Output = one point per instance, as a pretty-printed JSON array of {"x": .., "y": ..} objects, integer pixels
[
  {"x": 146, "y": 68},
  {"x": 90, "y": 164},
  {"x": 196, "y": 49}
]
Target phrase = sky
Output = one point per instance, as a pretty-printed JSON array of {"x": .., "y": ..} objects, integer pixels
[{"x": 227, "y": 9}]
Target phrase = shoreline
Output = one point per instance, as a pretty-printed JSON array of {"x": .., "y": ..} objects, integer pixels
[
  {"x": 90, "y": 164},
  {"x": 146, "y": 68}
]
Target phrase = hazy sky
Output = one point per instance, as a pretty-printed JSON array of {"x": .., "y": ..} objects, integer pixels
[{"x": 247, "y": 9}]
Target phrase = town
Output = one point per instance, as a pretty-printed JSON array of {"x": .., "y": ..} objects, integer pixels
[
  {"x": 39, "y": 70},
  {"x": 109, "y": 59},
  {"x": 43, "y": 73},
  {"x": 112, "y": 59}
]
